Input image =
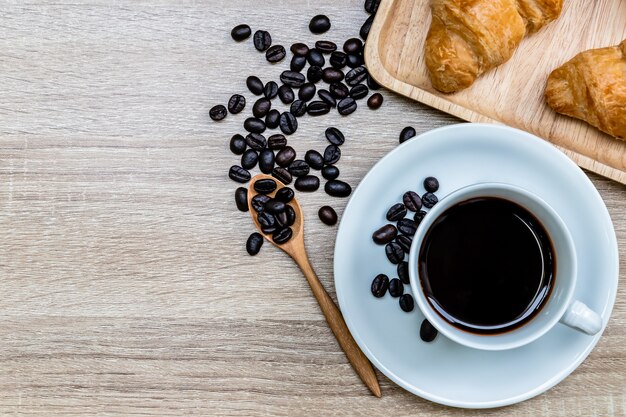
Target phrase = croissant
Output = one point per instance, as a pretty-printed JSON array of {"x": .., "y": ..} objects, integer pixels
[
  {"x": 592, "y": 87},
  {"x": 468, "y": 37}
]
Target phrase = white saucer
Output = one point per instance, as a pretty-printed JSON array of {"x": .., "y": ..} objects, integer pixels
[{"x": 443, "y": 371}]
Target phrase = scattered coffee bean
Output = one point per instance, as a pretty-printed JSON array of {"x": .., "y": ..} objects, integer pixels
[
  {"x": 332, "y": 154},
  {"x": 339, "y": 90},
  {"x": 288, "y": 123},
  {"x": 249, "y": 159},
  {"x": 346, "y": 106},
  {"x": 297, "y": 63},
  {"x": 319, "y": 24},
  {"x": 375, "y": 101},
  {"x": 428, "y": 333},
  {"x": 282, "y": 235},
  {"x": 266, "y": 161},
  {"x": 282, "y": 219},
  {"x": 285, "y": 156},
  {"x": 237, "y": 144},
  {"x": 238, "y": 174},
  {"x": 255, "y": 85},
  {"x": 412, "y": 201},
  {"x": 353, "y": 46},
  {"x": 259, "y": 201},
  {"x": 337, "y": 188},
  {"x": 270, "y": 90},
  {"x": 292, "y": 79},
  {"x": 254, "y": 243},
  {"x": 241, "y": 32},
  {"x": 314, "y": 74},
  {"x": 371, "y": 83},
  {"x": 367, "y": 26},
  {"x": 326, "y": 47},
  {"x": 256, "y": 141},
  {"x": 338, "y": 59},
  {"x": 261, "y": 107},
  {"x": 380, "y": 285},
  {"x": 406, "y": 303},
  {"x": 419, "y": 216},
  {"x": 291, "y": 215},
  {"x": 385, "y": 234},
  {"x": 241, "y": 199},
  {"x": 308, "y": 183},
  {"x": 407, "y": 227},
  {"x": 267, "y": 222},
  {"x": 307, "y": 91},
  {"x": 275, "y": 54},
  {"x": 218, "y": 112},
  {"x": 236, "y": 103},
  {"x": 394, "y": 253},
  {"x": 356, "y": 76},
  {"x": 298, "y": 108},
  {"x": 265, "y": 186},
  {"x": 254, "y": 125},
  {"x": 327, "y": 98},
  {"x": 314, "y": 159},
  {"x": 429, "y": 200},
  {"x": 330, "y": 172},
  {"x": 327, "y": 215},
  {"x": 404, "y": 242},
  {"x": 315, "y": 58},
  {"x": 285, "y": 195},
  {"x": 276, "y": 142},
  {"x": 317, "y": 108},
  {"x": 274, "y": 206},
  {"x": 403, "y": 272},
  {"x": 299, "y": 168},
  {"x": 299, "y": 49},
  {"x": 262, "y": 40},
  {"x": 332, "y": 75},
  {"x": 431, "y": 184},
  {"x": 282, "y": 175},
  {"x": 396, "y": 288},
  {"x": 272, "y": 119},
  {"x": 359, "y": 91},
  {"x": 371, "y": 6},
  {"x": 286, "y": 95},
  {"x": 407, "y": 133},
  {"x": 396, "y": 212},
  {"x": 354, "y": 60}
]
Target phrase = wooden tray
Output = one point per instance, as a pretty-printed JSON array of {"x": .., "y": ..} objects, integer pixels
[{"x": 512, "y": 93}]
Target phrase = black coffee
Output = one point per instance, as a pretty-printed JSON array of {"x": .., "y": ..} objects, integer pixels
[{"x": 487, "y": 265}]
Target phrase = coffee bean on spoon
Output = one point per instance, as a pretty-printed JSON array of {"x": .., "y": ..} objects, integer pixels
[
  {"x": 394, "y": 253},
  {"x": 297, "y": 63},
  {"x": 236, "y": 103},
  {"x": 359, "y": 91},
  {"x": 353, "y": 46},
  {"x": 299, "y": 168},
  {"x": 256, "y": 141},
  {"x": 288, "y": 123},
  {"x": 403, "y": 272},
  {"x": 308, "y": 183},
  {"x": 286, "y": 94},
  {"x": 317, "y": 108},
  {"x": 412, "y": 201},
  {"x": 282, "y": 235},
  {"x": 375, "y": 101},
  {"x": 259, "y": 201},
  {"x": 249, "y": 159},
  {"x": 396, "y": 288},
  {"x": 254, "y": 243},
  {"x": 274, "y": 206},
  {"x": 261, "y": 107},
  {"x": 265, "y": 186},
  {"x": 371, "y": 6},
  {"x": 380, "y": 284},
  {"x": 319, "y": 24},
  {"x": 337, "y": 188},
  {"x": 266, "y": 161},
  {"x": 356, "y": 76},
  {"x": 272, "y": 119},
  {"x": 314, "y": 74},
  {"x": 327, "y": 215},
  {"x": 291, "y": 215},
  {"x": 327, "y": 98},
  {"x": 267, "y": 221},
  {"x": 262, "y": 40},
  {"x": 282, "y": 219},
  {"x": 299, "y": 49},
  {"x": 241, "y": 199},
  {"x": 239, "y": 174},
  {"x": 338, "y": 59},
  {"x": 275, "y": 54},
  {"x": 431, "y": 184},
  {"x": 407, "y": 133},
  {"x": 326, "y": 47},
  {"x": 332, "y": 154},
  {"x": 254, "y": 125},
  {"x": 307, "y": 91},
  {"x": 298, "y": 108},
  {"x": 282, "y": 175},
  {"x": 255, "y": 85},
  {"x": 334, "y": 136},
  {"x": 419, "y": 216},
  {"x": 404, "y": 242},
  {"x": 396, "y": 212},
  {"x": 339, "y": 90},
  {"x": 367, "y": 26},
  {"x": 407, "y": 227},
  {"x": 285, "y": 195},
  {"x": 346, "y": 106},
  {"x": 330, "y": 172},
  {"x": 314, "y": 159},
  {"x": 285, "y": 156},
  {"x": 292, "y": 79},
  {"x": 270, "y": 90},
  {"x": 429, "y": 200},
  {"x": 332, "y": 75},
  {"x": 428, "y": 332},
  {"x": 406, "y": 303},
  {"x": 315, "y": 58},
  {"x": 241, "y": 32},
  {"x": 217, "y": 113},
  {"x": 238, "y": 144},
  {"x": 385, "y": 234}
]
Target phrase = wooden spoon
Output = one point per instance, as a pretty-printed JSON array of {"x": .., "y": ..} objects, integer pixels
[{"x": 295, "y": 248}]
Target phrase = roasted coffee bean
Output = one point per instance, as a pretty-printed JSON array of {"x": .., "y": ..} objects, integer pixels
[
  {"x": 332, "y": 75},
  {"x": 431, "y": 184},
  {"x": 285, "y": 195},
  {"x": 380, "y": 285},
  {"x": 259, "y": 201},
  {"x": 275, "y": 54},
  {"x": 346, "y": 106},
  {"x": 403, "y": 272},
  {"x": 241, "y": 199},
  {"x": 299, "y": 49},
  {"x": 394, "y": 253},
  {"x": 218, "y": 112},
  {"x": 254, "y": 125},
  {"x": 266, "y": 161},
  {"x": 282, "y": 219},
  {"x": 292, "y": 79},
  {"x": 367, "y": 26},
  {"x": 396, "y": 212},
  {"x": 282, "y": 235},
  {"x": 326, "y": 47},
  {"x": 356, "y": 76},
  {"x": 353, "y": 46},
  {"x": 274, "y": 206},
  {"x": 354, "y": 60},
  {"x": 412, "y": 201},
  {"x": 254, "y": 243},
  {"x": 359, "y": 91},
  {"x": 299, "y": 168},
  {"x": 298, "y": 108},
  {"x": 255, "y": 85},
  {"x": 262, "y": 40},
  {"x": 272, "y": 119},
  {"x": 404, "y": 242},
  {"x": 285, "y": 156},
  {"x": 249, "y": 159},
  {"x": 291, "y": 215},
  {"x": 338, "y": 59},
  {"x": 267, "y": 222},
  {"x": 327, "y": 215},
  {"x": 314, "y": 159},
  {"x": 429, "y": 200},
  {"x": 237, "y": 173},
  {"x": 327, "y": 98},
  {"x": 317, "y": 108},
  {"x": 261, "y": 107},
  {"x": 406, "y": 303},
  {"x": 286, "y": 95},
  {"x": 407, "y": 133},
  {"x": 371, "y": 6},
  {"x": 428, "y": 332},
  {"x": 375, "y": 101},
  {"x": 385, "y": 234},
  {"x": 237, "y": 144},
  {"x": 307, "y": 91},
  {"x": 339, "y": 90},
  {"x": 241, "y": 32},
  {"x": 332, "y": 153},
  {"x": 330, "y": 172},
  {"x": 282, "y": 175},
  {"x": 256, "y": 141},
  {"x": 297, "y": 63},
  {"x": 407, "y": 227},
  {"x": 288, "y": 123},
  {"x": 419, "y": 216},
  {"x": 307, "y": 183},
  {"x": 315, "y": 58},
  {"x": 396, "y": 288},
  {"x": 371, "y": 83},
  {"x": 270, "y": 90},
  {"x": 314, "y": 74},
  {"x": 236, "y": 103},
  {"x": 319, "y": 24},
  {"x": 337, "y": 188},
  {"x": 265, "y": 186}
]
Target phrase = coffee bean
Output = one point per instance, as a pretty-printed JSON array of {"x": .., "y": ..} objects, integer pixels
[
  {"x": 314, "y": 74},
  {"x": 261, "y": 107},
  {"x": 330, "y": 172},
  {"x": 319, "y": 24},
  {"x": 431, "y": 184},
  {"x": 371, "y": 6},
  {"x": 371, "y": 83},
  {"x": 407, "y": 227},
  {"x": 298, "y": 108},
  {"x": 338, "y": 59},
  {"x": 353, "y": 46},
  {"x": 265, "y": 186},
  {"x": 270, "y": 90},
  {"x": 308, "y": 183},
  {"x": 282, "y": 175},
  {"x": 339, "y": 90},
  {"x": 249, "y": 159},
  {"x": 412, "y": 200},
  {"x": 327, "y": 98},
  {"x": 428, "y": 332},
  {"x": 332, "y": 153},
  {"x": 236, "y": 103},
  {"x": 274, "y": 206},
  {"x": 419, "y": 216},
  {"x": 285, "y": 156},
  {"x": 407, "y": 133},
  {"x": 394, "y": 253},
  {"x": 307, "y": 92},
  {"x": 337, "y": 188},
  {"x": 256, "y": 141},
  {"x": 367, "y": 26},
  {"x": 332, "y": 75},
  {"x": 315, "y": 58},
  {"x": 255, "y": 85},
  {"x": 262, "y": 40},
  {"x": 396, "y": 288},
  {"x": 318, "y": 108},
  {"x": 272, "y": 119},
  {"x": 237, "y": 144},
  {"x": 380, "y": 285},
  {"x": 346, "y": 106},
  {"x": 254, "y": 243},
  {"x": 429, "y": 200},
  {"x": 218, "y": 112},
  {"x": 299, "y": 49},
  {"x": 292, "y": 79},
  {"x": 282, "y": 236},
  {"x": 404, "y": 242},
  {"x": 275, "y": 54},
  {"x": 241, "y": 199},
  {"x": 288, "y": 123},
  {"x": 259, "y": 201},
  {"x": 375, "y": 101},
  {"x": 240, "y": 32},
  {"x": 314, "y": 159},
  {"x": 396, "y": 212},
  {"x": 254, "y": 125},
  {"x": 297, "y": 63},
  {"x": 291, "y": 215},
  {"x": 385, "y": 234},
  {"x": 354, "y": 60},
  {"x": 282, "y": 219},
  {"x": 285, "y": 195},
  {"x": 327, "y": 215},
  {"x": 267, "y": 222},
  {"x": 406, "y": 303},
  {"x": 326, "y": 47},
  {"x": 266, "y": 161},
  {"x": 286, "y": 95},
  {"x": 359, "y": 91},
  {"x": 299, "y": 168},
  {"x": 403, "y": 272},
  {"x": 356, "y": 76},
  {"x": 238, "y": 174}
]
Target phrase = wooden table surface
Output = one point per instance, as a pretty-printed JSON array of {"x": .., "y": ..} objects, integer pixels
[{"x": 126, "y": 288}]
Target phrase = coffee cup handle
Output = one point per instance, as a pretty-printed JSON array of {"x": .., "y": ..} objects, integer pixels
[{"x": 580, "y": 317}]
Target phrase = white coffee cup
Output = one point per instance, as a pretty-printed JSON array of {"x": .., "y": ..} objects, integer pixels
[{"x": 559, "y": 307}]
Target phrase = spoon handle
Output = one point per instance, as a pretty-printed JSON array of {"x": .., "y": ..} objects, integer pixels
[{"x": 335, "y": 321}]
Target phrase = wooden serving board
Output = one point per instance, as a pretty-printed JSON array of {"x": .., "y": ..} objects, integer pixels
[{"x": 512, "y": 93}]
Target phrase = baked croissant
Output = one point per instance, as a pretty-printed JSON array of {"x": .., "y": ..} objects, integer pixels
[
  {"x": 468, "y": 37},
  {"x": 592, "y": 87}
]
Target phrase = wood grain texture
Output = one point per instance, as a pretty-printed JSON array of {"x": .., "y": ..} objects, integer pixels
[
  {"x": 395, "y": 57},
  {"x": 126, "y": 289}
]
